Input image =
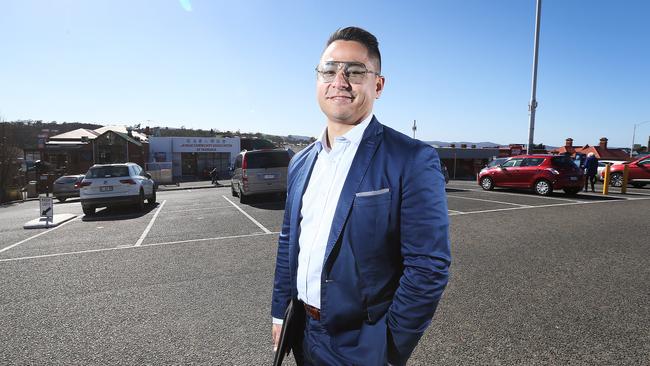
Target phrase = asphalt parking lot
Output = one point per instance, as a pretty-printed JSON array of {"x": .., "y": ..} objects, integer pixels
[{"x": 535, "y": 280}]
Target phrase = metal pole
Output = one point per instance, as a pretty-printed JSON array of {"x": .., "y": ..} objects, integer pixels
[
  {"x": 533, "y": 101},
  {"x": 633, "y": 136},
  {"x": 414, "y": 128}
]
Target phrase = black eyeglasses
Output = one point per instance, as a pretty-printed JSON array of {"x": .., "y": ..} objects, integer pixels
[{"x": 354, "y": 72}]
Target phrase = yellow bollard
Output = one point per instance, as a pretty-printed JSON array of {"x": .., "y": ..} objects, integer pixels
[
  {"x": 625, "y": 177},
  {"x": 606, "y": 181}
]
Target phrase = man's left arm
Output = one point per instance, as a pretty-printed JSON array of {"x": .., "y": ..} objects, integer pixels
[{"x": 424, "y": 239}]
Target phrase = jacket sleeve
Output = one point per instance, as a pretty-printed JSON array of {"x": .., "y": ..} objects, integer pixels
[
  {"x": 425, "y": 248},
  {"x": 282, "y": 280}
]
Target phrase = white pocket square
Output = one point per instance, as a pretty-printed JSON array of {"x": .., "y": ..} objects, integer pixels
[{"x": 373, "y": 193}]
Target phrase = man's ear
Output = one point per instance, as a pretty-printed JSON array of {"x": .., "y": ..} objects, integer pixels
[{"x": 379, "y": 87}]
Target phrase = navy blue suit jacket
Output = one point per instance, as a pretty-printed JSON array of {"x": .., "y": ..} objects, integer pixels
[{"x": 388, "y": 251}]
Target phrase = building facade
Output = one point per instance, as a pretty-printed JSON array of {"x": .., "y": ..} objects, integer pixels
[{"x": 194, "y": 157}]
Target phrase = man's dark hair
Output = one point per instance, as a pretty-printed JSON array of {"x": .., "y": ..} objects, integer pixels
[{"x": 358, "y": 35}]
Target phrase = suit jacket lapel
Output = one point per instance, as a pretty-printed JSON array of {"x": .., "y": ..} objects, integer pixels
[
  {"x": 360, "y": 164},
  {"x": 297, "y": 192}
]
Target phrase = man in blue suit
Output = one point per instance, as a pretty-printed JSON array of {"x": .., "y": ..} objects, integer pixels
[{"x": 364, "y": 246}]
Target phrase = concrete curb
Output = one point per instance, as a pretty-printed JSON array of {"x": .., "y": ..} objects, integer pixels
[{"x": 40, "y": 223}]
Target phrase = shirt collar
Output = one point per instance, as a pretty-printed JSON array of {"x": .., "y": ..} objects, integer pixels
[{"x": 354, "y": 135}]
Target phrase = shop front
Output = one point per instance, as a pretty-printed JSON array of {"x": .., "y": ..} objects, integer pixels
[{"x": 194, "y": 158}]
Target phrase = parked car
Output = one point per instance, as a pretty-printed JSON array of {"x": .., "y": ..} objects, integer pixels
[
  {"x": 259, "y": 172},
  {"x": 108, "y": 185},
  {"x": 541, "y": 173},
  {"x": 638, "y": 172},
  {"x": 493, "y": 163},
  {"x": 445, "y": 172},
  {"x": 66, "y": 186},
  {"x": 602, "y": 164}
]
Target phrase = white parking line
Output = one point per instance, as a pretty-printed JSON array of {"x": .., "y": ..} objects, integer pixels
[
  {"x": 39, "y": 234},
  {"x": 492, "y": 201},
  {"x": 550, "y": 205},
  {"x": 199, "y": 209},
  {"x": 524, "y": 195},
  {"x": 267, "y": 231},
  {"x": 454, "y": 211},
  {"x": 126, "y": 247},
  {"x": 146, "y": 231}
]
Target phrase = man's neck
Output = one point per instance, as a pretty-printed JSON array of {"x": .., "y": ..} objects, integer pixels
[{"x": 336, "y": 129}]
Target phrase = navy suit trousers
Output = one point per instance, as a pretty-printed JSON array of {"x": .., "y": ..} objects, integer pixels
[{"x": 365, "y": 346}]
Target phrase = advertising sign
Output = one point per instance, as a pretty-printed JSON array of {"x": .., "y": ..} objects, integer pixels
[
  {"x": 47, "y": 207},
  {"x": 205, "y": 144}
]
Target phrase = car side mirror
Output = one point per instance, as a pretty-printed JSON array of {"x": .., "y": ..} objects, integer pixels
[{"x": 147, "y": 175}]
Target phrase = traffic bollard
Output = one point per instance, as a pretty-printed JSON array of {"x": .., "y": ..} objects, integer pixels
[
  {"x": 625, "y": 177},
  {"x": 606, "y": 180}
]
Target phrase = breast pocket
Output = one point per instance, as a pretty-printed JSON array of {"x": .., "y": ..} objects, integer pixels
[{"x": 368, "y": 230}]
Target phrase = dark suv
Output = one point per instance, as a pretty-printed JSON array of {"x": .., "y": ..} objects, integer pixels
[{"x": 541, "y": 173}]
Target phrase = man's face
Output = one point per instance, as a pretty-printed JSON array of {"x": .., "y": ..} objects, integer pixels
[{"x": 340, "y": 100}]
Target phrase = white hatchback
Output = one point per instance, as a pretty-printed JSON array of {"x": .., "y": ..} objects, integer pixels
[{"x": 107, "y": 185}]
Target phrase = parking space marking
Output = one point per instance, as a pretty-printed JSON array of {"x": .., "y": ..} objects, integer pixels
[
  {"x": 199, "y": 209},
  {"x": 524, "y": 195},
  {"x": 267, "y": 231},
  {"x": 127, "y": 247},
  {"x": 146, "y": 231},
  {"x": 39, "y": 234},
  {"x": 492, "y": 201},
  {"x": 454, "y": 211},
  {"x": 550, "y": 205}
]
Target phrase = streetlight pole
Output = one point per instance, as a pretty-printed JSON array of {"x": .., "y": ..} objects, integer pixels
[
  {"x": 533, "y": 101},
  {"x": 634, "y": 135}
]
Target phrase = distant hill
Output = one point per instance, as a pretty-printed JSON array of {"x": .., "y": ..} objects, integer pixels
[
  {"x": 479, "y": 145},
  {"x": 24, "y": 134}
]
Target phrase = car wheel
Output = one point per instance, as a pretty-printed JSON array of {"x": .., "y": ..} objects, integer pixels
[
  {"x": 242, "y": 198},
  {"x": 141, "y": 201},
  {"x": 88, "y": 210},
  {"x": 638, "y": 185},
  {"x": 543, "y": 187},
  {"x": 61, "y": 199},
  {"x": 571, "y": 191},
  {"x": 152, "y": 199},
  {"x": 487, "y": 183},
  {"x": 616, "y": 180}
]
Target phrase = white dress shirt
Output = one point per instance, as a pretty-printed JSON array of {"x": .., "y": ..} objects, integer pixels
[{"x": 319, "y": 205}]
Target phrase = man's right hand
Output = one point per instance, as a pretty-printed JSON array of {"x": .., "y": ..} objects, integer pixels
[{"x": 277, "y": 329}]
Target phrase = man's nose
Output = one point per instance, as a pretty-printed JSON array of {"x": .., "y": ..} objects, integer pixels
[{"x": 340, "y": 81}]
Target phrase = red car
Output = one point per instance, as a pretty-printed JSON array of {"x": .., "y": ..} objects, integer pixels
[
  {"x": 542, "y": 173},
  {"x": 638, "y": 172}
]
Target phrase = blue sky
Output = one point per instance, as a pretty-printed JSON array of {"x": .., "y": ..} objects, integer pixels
[{"x": 461, "y": 68}]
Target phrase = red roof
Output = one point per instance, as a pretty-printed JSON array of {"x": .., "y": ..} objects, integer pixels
[{"x": 599, "y": 151}]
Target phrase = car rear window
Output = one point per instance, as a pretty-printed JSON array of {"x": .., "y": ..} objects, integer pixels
[
  {"x": 562, "y": 162},
  {"x": 261, "y": 160},
  {"x": 64, "y": 180},
  {"x": 108, "y": 172}
]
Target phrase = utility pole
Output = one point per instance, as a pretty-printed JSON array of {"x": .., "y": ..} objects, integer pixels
[
  {"x": 634, "y": 136},
  {"x": 414, "y": 128},
  {"x": 533, "y": 101}
]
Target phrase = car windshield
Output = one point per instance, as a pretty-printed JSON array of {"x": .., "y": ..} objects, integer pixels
[
  {"x": 260, "y": 160},
  {"x": 108, "y": 172},
  {"x": 562, "y": 162},
  {"x": 495, "y": 162}
]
